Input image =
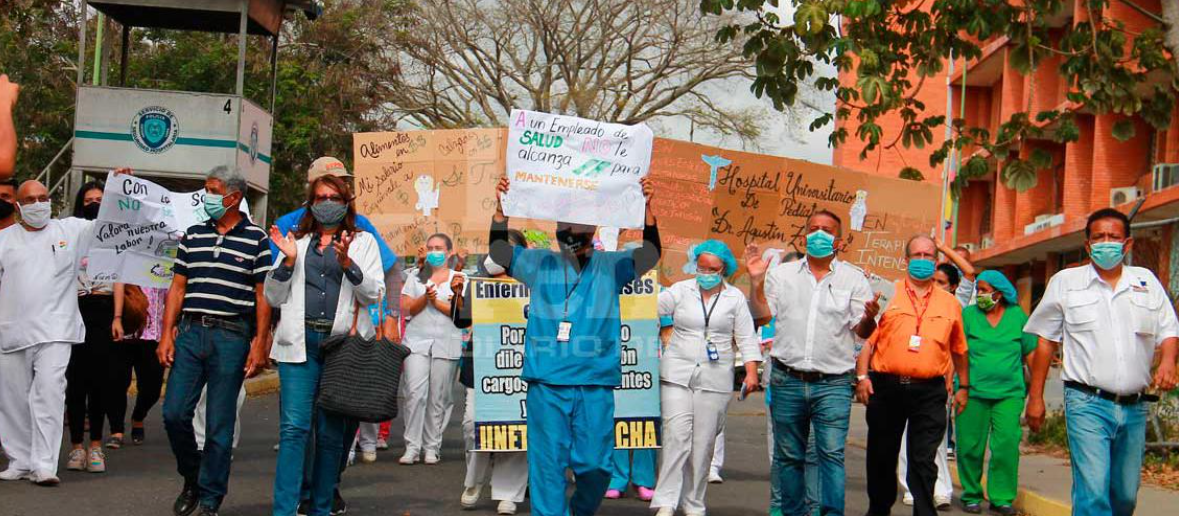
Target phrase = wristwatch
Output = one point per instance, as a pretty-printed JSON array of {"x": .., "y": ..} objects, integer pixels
[
  {"x": 963, "y": 387},
  {"x": 861, "y": 377}
]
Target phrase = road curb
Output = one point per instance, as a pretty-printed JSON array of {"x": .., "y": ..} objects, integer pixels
[
  {"x": 266, "y": 383},
  {"x": 1027, "y": 501}
]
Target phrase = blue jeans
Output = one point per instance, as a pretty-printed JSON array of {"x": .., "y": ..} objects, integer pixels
[
  {"x": 298, "y": 386},
  {"x": 217, "y": 357},
  {"x": 641, "y": 473},
  {"x": 1106, "y": 442},
  {"x": 569, "y": 427},
  {"x": 812, "y": 480},
  {"x": 797, "y": 406}
]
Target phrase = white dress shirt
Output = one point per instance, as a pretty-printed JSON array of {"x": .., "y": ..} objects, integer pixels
[
  {"x": 431, "y": 332},
  {"x": 1109, "y": 332},
  {"x": 816, "y": 319},
  {"x": 686, "y": 354}
]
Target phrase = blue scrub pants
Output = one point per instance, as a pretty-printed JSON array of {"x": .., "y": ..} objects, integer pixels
[
  {"x": 641, "y": 473},
  {"x": 569, "y": 427}
]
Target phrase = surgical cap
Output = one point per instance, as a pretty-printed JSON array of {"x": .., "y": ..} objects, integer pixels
[
  {"x": 999, "y": 281},
  {"x": 719, "y": 250}
]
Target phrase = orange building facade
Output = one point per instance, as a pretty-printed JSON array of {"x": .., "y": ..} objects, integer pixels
[{"x": 1032, "y": 234}]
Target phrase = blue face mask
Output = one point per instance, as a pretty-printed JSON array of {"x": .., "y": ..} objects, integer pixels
[
  {"x": 708, "y": 280},
  {"x": 436, "y": 258},
  {"x": 214, "y": 205},
  {"x": 921, "y": 269},
  {"x": 820, "y": 244},
  {"x": 1107, "y": 255}
]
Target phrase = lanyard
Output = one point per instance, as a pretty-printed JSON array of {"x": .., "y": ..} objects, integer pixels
[
  {"x": 569, "y": 291},
  {"x": 913, "y": 300},
  {"x": 708, "y": 311}
]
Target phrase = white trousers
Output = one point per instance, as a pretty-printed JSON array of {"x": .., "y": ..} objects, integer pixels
[
  {"x": 198, "y": 418},
  {"x": 718, "y": 452},
  {"x": 509, "y": 470},
  {"x": 32, "y": 406},
  {"x": 428, "y": 384},
  {"x": 691, "y": 420},
  {"x": 944, "y": 488},
  {"x": 368, "y": 435}
]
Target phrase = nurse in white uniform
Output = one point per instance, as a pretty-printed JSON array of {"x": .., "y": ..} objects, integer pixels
[
  {"x": 436, "y": 347},
  {"x": 696, "y": 374}
]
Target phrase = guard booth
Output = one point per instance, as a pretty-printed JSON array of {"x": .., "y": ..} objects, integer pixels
[{"x": 176, "y": 137}]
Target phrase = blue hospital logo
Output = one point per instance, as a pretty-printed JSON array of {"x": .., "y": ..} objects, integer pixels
[{"x": 154, "y": 129}]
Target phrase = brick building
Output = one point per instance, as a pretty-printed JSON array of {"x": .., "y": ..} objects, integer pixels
[{"x": 1032, "y": 234}]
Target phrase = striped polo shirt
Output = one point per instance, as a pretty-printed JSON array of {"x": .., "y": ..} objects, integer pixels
[{"x": 222, "y": 270}]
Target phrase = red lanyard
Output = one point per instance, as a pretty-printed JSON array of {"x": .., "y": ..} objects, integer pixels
[{"x": 913, "y": 300}]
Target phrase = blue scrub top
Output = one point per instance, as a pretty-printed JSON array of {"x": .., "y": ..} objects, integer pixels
[
  {"x": 592, "y": 355},
  {"x": 290, "y": 221}
]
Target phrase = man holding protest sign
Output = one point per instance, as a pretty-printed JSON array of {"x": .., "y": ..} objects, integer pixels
[{"x": 572, "y": 353}]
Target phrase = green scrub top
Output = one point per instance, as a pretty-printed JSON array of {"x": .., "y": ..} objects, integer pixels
[{"x": 996, "y": 352}]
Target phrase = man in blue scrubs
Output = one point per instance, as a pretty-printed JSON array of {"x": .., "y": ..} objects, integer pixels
[{"x": 572, "y": 359}]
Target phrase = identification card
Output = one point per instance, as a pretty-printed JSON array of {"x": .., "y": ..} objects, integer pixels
[
  {"x": 915, "y": 343},
  {"x": 713, "y": 354},
  {"x": 564, "y": 330}
]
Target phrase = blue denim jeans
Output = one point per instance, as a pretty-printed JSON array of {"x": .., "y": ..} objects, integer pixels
[
  {"x": 299, "y": 384},
  {"x": 217, "y": 357},
  {"x": 1106, "y": 442},
  {"x": 812, "y": 480},
  {"x": 797, "y": 406}
]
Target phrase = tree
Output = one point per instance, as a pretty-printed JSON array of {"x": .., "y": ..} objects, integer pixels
[
  {"x": 893, "y": 46},
  {"x": 467, "y": 63}
]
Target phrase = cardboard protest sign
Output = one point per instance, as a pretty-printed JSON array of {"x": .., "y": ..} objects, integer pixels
[
  {"x": 500, "y": 314},
  {"x": 571, "y": 169},
  {"x": 138, "y": 230}
]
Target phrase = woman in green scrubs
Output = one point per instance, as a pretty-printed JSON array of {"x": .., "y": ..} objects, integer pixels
[{"x": 998, "y": 348}]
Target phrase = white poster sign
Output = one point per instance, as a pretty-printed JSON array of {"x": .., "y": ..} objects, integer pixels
[{"x": 570, "y": 169}]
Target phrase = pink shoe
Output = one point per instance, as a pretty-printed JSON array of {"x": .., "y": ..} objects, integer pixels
[
  {"x": 646, "y": 494},
  {"x": 613, "y": 494}
]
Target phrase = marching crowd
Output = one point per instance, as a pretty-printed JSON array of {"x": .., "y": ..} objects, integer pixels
[{"x": 952, "y": 346}]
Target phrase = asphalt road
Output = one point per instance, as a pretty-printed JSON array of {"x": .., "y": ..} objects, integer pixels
[{"x": 141, "y": 480}]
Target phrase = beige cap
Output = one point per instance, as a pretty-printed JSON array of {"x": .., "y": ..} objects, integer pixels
[{"x": 326, "y": 166}]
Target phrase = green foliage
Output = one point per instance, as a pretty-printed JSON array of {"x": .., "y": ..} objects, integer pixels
[
  {"x": 901, "y": 43},
  {"x": 911, "y": 174},
  {"x": 1053, "y": 433}
]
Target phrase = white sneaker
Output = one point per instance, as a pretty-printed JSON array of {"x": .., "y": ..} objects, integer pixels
[
  {"x": 352, "y": 457},
  {"x": 97, "y": 462},
  {"x": 410, "y": 458},
  {"x": 942, "y": 503},
  {"x": 666, "y": 511},
  {"x": 432, "y": 458},
  {"x": 382, "y": 444},
  {"x": 45, "y": 479},
  {"x": 506, "y": 507},
  {"x": 907, "y": 500},
  {"x": 77, "y": 460},
  {"x": 368, "y": 457},
  {"x": 471, "y": 496},
  {"x": 715, "y": 478},
  {"x": 11, "y": 474}
]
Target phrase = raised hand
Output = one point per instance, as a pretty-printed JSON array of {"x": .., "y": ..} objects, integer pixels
[
  {"x": 285, "y": 243},
  {"x": 501, "y": 189},
  {"x": 872, "y": 308},
  {"x": 754, "y": 263},
  {"x": 341, "y": 245},
  {"x": 9, "y": 91},
  {"x": 648, "y": 189}
]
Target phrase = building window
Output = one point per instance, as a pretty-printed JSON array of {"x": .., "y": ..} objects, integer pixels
[
  {"x": 988, "y": 209},
  {"x": 1058, "y": 188}
]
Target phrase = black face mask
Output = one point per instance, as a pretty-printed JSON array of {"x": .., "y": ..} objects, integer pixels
[
  {"x": 573, "y": 242},
  {"x": 90, "y": 211},
  {"x": 6, "y": 209}
]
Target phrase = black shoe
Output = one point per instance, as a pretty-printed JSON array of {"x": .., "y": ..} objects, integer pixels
[
  {"x": 1003, "y": 510},
  {"x": 188, "y": 500},
  {"x": 304, "y": 508},
  {"x": 339, "y": 506},
  {"x": 137, "y": 436},
  {"x": 208, "y": 511},
  {"x": 972, "y": 508}
]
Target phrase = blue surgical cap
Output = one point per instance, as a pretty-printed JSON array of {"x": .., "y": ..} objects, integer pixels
[
  {"x": 999, "y": 281},
  {"x": 719, "y": 250}
]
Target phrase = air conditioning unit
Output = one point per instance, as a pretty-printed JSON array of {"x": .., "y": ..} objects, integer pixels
[
  {"x": 1120, "y": 196},
  {"x": 1164, "y": 175}
]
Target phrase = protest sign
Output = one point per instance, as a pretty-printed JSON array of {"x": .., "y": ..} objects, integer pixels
[
  {"x": 138, "y": 230},
  {"x": 571, "y": 169},
  {"x": 499, "y": 310}
]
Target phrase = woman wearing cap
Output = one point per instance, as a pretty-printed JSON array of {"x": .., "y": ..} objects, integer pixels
[
  {"x": 998, "y": 349},
  {"x": 696, "y": 374}
]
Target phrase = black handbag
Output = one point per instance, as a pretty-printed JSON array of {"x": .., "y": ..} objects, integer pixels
[{"x": 361, "y": 376}]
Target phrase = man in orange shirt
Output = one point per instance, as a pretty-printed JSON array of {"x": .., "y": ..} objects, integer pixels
[{"x": 918, "y": 340}]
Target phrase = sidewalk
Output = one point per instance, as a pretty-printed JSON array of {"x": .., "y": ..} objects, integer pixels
[{"x": 1045, "y": 482}]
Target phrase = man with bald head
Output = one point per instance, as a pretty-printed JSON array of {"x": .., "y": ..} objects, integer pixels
[
  {"x": 902, "y": 380},
  {"x": 39, "y": 322}
]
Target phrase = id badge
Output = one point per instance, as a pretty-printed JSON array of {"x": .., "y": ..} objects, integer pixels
[
  {"x": 564, "y": 330},
  {"x": 713, "y": 354},
  {"x": 915, "y": 343}
]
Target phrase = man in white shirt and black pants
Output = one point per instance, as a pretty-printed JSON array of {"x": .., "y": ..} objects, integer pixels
[
  {"x": 39, "y": 322},
  {"x": 1111, "y": 319}
]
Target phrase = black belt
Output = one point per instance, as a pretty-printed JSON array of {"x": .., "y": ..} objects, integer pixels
[
  {"x": 319, "y": 325},
  {"x": 905, "y": 380},
  {"x": 1120, "y": 399},
  {"x": 808, "y": 376},
  {"x": 235, "y": 323}
]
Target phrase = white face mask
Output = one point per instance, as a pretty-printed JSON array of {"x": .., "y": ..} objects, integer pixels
[
  {"x": 36, "y": 215},
  {"x": 492, "y": 268}
]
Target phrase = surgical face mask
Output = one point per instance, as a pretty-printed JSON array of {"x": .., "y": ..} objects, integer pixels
[
  {"x": 986, "y": 302},
  {"x": 214, "y": 205},
  {"x": 708, "y": 280},
  {"x": 329, "y": 213},
  {"x": 493, "y": 268},
  {"x": 90, "y": 211},
  {"x": 6, "y": 209},
  {"x": 36, "y": 215},
  {"x": 436, "y": 258},
  {"x": 820, "y": 244},
  {"x": 1107, "y": 255},
  {"x": 921, "y": 269}
]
